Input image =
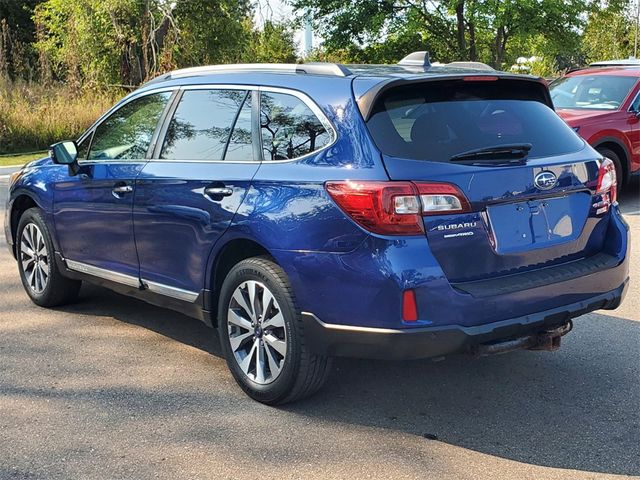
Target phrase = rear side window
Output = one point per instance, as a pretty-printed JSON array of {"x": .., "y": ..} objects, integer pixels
[
  {"x": 201, "y": 125},
  {"x": 289, "y": 128},
  {"x": 436, "y": 121},
  {"x": 126, "y": 134},
  {"x": 240, "y": 146}
]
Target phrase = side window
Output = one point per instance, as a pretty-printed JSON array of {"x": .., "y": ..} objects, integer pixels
[
  {"x": 240, "y": 144},
  {"x": 635, "y": 106},
  {"x": 201, "y": 125},
  {"x": 83, "y": 147},
  {"x": 289, "y": 128},
  {"x": 126, "y": 134}
]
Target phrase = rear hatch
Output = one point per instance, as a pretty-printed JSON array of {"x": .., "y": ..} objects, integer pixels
[{"x": 528, "y": 178}]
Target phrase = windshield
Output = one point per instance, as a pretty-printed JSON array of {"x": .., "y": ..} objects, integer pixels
[
  {"x": 591, "y": 92},
  {"x": 436, "y": 122}
]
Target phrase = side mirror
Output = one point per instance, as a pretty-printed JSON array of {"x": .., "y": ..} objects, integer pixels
[{"x": 65, "y": 153}]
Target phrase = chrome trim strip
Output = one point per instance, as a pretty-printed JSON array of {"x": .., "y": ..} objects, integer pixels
[
  {"x": 317, "y": 111},
  {"x": 166, "y": 290},
  {"x": 351, "y": 328},
  {"x": 287, "y": 91},
  {"x": 103, "y": 273}
]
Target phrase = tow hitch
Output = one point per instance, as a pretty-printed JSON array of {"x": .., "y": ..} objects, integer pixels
[{"x": 544, "y": 340}]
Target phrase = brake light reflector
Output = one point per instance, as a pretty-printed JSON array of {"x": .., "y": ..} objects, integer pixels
[
  {"x": 607, "y": 181},
  {"x": 409, "y": 307},
  {"x": 396, "y": 208}
]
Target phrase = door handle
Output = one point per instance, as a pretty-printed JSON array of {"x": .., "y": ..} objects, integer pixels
[
  {"x": 216, "y": 193},
  {"x": 120, "y": 190}
]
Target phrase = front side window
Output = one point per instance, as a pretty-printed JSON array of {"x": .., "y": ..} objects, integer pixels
[
  {"x": 591, "y": 92},
  {"x": 200, "y": 128},
  {"x": 126, "y": 134},
  {"x": 289, "y": 128},
  {"x": 83, "y": 147}
]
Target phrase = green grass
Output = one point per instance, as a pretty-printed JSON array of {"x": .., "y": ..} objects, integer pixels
[
  {"x": 20, "y": 159},
  {"x": 34, "y": 116}
]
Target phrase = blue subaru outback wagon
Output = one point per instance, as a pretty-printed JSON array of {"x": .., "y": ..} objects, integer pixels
[{"x": 319, "y": 210}]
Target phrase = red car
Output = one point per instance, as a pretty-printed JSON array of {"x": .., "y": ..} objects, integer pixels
[{"x": 602, "y": 104}]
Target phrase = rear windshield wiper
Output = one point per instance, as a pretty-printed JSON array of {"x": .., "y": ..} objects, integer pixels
[{"x": 509, "y": 154}]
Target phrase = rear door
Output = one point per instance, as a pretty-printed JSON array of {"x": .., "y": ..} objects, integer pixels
[
  {"x": 187, "y": 195},
  {"x": 531, "y": 201}
]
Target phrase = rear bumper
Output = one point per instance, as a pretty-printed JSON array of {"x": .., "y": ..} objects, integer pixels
[{"x": 415, "y": 343}]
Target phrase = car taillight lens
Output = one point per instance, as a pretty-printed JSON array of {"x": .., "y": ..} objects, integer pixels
[
  {"x": 439, "y": 198},
  {"x": 607, "y": 181},
  {"x": 396, "y": 208}
]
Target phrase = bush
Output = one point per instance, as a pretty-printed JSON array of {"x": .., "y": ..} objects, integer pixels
[{"x": 34, "y": 116}]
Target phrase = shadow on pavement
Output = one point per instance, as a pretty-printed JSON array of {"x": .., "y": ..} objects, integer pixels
[
  {"x": 630, "y": 197},
  {"x": 575, "y": 408}
]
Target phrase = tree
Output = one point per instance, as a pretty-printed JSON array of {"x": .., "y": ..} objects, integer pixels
[
  {"x": 449, "y": 29},
  {"x": 610, "y": 30},
  {"x": 129, "y": 41},
  {"x": 272, "y": 44},
  {"x": 17, "y": 32}
]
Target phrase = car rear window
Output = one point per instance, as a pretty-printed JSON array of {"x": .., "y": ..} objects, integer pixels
[
  {"x": 438, "y": 120},
  {"x": 591, "y": 92}
]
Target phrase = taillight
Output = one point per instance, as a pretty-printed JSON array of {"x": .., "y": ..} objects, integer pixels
[
  {"x": 442, "y": 198},
  {"x": 396, "y": 208},
  {"x": 607, "y": 181}
]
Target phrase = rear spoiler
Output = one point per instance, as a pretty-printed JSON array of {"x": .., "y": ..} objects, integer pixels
[{"x": 368, "y": 99}]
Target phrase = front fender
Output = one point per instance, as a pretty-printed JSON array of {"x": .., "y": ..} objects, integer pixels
[{"x": 31, "y": 188}]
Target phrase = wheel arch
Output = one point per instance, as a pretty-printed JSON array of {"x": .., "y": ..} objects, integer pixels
[
  {"x": 222, "y": 260},
  {"x": 21, "y": 203},
  {"x": 620, "y": 149}
]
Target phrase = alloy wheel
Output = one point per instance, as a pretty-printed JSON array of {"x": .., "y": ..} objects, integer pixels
[
  {"x": 34, "y": 258},
  {"x": 257, "y": 333}
]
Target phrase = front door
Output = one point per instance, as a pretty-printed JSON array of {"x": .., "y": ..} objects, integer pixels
[
  {"x": 187, "y": 195},
  {"x": 93, "y": 209}
]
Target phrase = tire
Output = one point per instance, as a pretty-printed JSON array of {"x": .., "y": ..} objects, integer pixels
[
  {"x": 613, "y": 156},
  {"x": 39, "y": 272},
  {"x": 288, "y": 371}
]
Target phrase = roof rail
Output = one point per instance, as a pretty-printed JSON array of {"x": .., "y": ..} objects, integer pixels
[
  {"x": 416, "y": 59},
  {"x": 314, "y": 68}
]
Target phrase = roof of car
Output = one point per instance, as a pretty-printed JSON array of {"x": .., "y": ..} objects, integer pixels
[
  {"x": 382, "y": 72},
  {"x": 624, "y": 71}
]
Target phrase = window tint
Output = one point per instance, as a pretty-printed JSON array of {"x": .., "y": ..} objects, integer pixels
[
  {"x": 240, "y": 144},
  {"x": 591, "y": 92},
  {"x": 437, "y": 122},
  {"x": 83, "y": 147},
  {"x": 201, "y": 125},
  {"x": 126, "y": 134},
  {"x": 289, "y": 128}
]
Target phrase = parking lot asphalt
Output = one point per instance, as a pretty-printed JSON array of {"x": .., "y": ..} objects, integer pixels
[{"x": 114, "y": 388}]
